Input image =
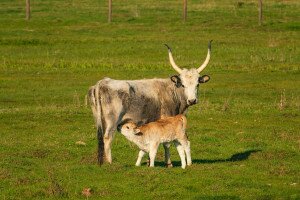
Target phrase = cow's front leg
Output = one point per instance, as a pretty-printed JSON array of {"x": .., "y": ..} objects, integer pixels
[{"x": 167, "y": 155}]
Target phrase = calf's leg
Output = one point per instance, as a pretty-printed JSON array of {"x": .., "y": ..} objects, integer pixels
[
  {"x": 180, "y": 150},
  {"x": 141, "y": 154},
  {"x": 152, "y": 153},
  {"x": 187, "y": 149}
]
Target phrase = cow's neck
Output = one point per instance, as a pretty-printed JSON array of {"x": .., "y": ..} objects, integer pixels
[
  {"x": 181, "y": 100},
  {"x": 177, "y": 103}
]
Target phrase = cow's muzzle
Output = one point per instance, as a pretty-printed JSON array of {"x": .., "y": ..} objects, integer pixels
[{"x": 191, "y": 101}]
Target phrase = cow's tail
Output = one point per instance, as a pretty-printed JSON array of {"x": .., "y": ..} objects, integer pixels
[{"x": 95, "y": 101}]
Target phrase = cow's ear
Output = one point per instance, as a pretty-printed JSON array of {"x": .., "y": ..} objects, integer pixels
[
  {"x": 203, "y": 79},
  {"x": 176, "y": 80},
  {"x": 137, "y": 131}
]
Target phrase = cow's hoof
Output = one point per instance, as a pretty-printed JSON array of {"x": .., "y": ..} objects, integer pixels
[{"x": 169, "y": 165}]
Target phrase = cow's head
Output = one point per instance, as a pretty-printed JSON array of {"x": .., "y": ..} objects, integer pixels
[{"x": 189, "y": 79}]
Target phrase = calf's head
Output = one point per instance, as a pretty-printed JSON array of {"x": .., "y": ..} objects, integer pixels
[
  {"x": 189, "y": 79},
  {"x": 130, "y": 128}
]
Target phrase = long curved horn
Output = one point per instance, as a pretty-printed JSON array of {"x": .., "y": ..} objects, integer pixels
[
  {"x": 201, "y": 68},
  {"x": 172, "y": 60}
]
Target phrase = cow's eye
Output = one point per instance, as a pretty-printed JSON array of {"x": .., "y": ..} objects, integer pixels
[
  {"x": 127, "y": 127},
  {"x": 182, "y": 86}
]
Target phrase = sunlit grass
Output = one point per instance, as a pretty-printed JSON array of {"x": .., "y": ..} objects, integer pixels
[{"x": 244, "y": 132}]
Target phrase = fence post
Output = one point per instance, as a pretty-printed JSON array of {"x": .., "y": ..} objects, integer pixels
[
  {"x": 27, "y": 9},
  {"x": 260, "y": 12},
  {"x": 109, "y": 10},
  {"x": 184, "y": 10}
]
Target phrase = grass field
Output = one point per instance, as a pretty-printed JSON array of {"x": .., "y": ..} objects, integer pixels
[{"x": 244, "y": 132}]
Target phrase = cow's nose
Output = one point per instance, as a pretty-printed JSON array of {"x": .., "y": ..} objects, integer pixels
[{"x": 192, "y": 101}]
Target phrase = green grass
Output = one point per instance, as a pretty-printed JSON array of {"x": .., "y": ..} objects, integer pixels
[{"x": 244, "y": 132}]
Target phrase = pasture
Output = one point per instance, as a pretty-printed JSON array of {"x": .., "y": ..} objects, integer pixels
[{"x": 244, "y": 132}]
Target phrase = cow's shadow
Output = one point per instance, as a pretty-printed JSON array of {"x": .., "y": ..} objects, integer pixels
[{"x": 234, "y": 158}]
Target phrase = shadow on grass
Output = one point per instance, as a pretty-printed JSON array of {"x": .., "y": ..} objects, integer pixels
[{"x": 234, "y": 158}]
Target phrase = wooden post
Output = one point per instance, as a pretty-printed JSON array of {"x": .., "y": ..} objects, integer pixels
[
  {"x": 184, "y": 10},
  {"x": 27, "y": 9},
  {"x": 260, "y": 12},
  {"x": 109, "y": 10}
]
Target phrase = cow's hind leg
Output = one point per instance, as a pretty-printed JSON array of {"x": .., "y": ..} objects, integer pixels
[
  {"x": 108, "y": 138},
  {"x": 167, "y": 155},
  {"x": 100, "y": 145},
  {"x": 112, "y": 114},
  {"x": 105, "y": 139}
]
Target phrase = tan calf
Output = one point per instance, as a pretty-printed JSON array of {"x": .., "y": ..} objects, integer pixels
[{"x": 166, "y": 130}]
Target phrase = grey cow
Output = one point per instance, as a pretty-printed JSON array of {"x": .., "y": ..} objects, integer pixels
[{"x": 115, "y": 102}]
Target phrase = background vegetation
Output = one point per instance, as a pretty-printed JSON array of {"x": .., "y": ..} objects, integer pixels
[{"x": 244, "y": 132}]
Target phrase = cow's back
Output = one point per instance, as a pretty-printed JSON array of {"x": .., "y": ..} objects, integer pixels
[{"x": 140, "y": 101}]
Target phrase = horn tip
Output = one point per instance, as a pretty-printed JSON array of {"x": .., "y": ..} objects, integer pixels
[
  {"x": 168, "y": 47},
  {"x": 209, "y": 44}
]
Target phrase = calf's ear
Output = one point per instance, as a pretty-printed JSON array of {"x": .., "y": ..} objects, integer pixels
[
  {"x": 176, "y": 80},
  {"x": 203, "y": 79},
  {"x": 136, "y": 131}
]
